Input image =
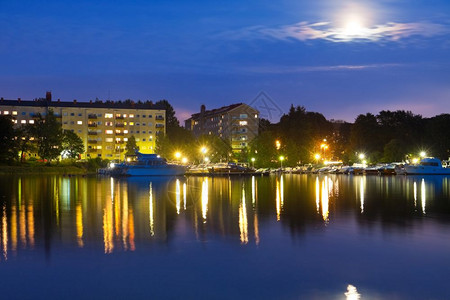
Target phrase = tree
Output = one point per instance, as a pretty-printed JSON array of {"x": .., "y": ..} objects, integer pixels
[
  {"x": 172, "y": 122},
  {"x": 48, "y": 134},
  {"x": 8, "y": 141},
  {"x": 72, "y": 144},
  {"x": 24, "y": 139},
  {"x": 131, "y": 146}
]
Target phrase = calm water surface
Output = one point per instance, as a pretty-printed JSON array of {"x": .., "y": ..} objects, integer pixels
[{"x": 288, "y": 237}]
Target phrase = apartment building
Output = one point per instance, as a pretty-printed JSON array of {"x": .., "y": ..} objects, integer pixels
[
  {"x": 104, "y": 126},
  {"x": 237, "y": 123}
]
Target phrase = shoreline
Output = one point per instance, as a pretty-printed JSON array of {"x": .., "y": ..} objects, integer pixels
[{"x": 35, "y": 170}]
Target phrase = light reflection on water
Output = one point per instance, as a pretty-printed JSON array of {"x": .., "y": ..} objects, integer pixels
[{"x": 124, "y": 215}]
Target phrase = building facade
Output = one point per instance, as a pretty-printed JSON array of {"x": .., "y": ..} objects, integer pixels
[
  {"x": 104, "y": 127},
  {"x": 237, "y": 123}
]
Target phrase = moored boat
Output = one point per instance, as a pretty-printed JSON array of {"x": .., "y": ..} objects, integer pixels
[{"x": 427, "y": 166}]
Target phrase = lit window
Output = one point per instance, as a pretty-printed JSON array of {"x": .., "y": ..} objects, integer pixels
[
  {"x": 242, "y": 123},
  {"x": 23, "y": 122},
  {"x": 125, "y": 123},
  {"x": 109, "y": 132},
  {"x": 118, "y": 115},
  {"x": 117, "y": 131},
  {"x": 125, "y": 139},
  {"x": 109, "y": 140},
  {"x": 131, "y": 116},
  {"x": 80, "y": 122},
  {"x": 138, "y": 139},
  {"x": 131, "y": 123},
  {"x": 118, "y": 139},
  {"x": 31, "y": 121},
  {"x": 15, "y": 121},
  {"x": 125, "y": 131},
  {"x": 6, "y": 112},
  {"x": 124, "y": 115},
  {"x": 99, "y": 147},
  {"x": 151, "y": 137},
  {"x": 243, "y": 116},
  {"x": 14, "y": 113},
  {"x": 256, "y": 116},
  {"x": 108, "y": 116}
]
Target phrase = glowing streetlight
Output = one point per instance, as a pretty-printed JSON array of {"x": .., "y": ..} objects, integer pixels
[
  {"x": 253, "y": 162},
  {"x": 204, "y": 150},
  {"x": 281, "y": 161},
  {"x": 184, "y": 160},
  {"x": 317, "y": 156},
  {"x": 277, "y": 144},
  {"x": 415, "y": 160},
  {"x": 177, "y": 155},
  {"x": 423, "y": 154},
  {"x": 206, "y": 159},
  {"x": 362, "y": 156}
]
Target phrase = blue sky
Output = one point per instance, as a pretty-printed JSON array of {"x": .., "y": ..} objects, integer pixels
[{"x": 340, "y": 58}]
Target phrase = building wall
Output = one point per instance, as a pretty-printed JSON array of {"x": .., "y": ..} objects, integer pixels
[{"x": 104, "y": 131}]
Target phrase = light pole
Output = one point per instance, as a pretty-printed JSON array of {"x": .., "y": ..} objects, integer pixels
[
  {"x": 281, "y": 161},
  {"x": 253, "y": 162}
]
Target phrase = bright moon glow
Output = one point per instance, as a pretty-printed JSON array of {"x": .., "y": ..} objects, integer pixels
[{"x": 354, "y": 27}]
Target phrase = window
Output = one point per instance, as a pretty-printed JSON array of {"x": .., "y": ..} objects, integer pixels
[
  {"x": 150, "y": 124},
  {"x": 143, "y": 140},
  {"x": 108, "y": 116},
  {"x": 99, "y": 115},
  {"x": 131, "y": 123},
  {"x": 125, "y": 139},
  {"x": 256, "y": 116},
  {"x": 109, "y": 140},
  {"x": 109, "y": 132},
  {"x": 99, "y": 123},
  {"x": 243, "y": 116},
  {"x": 137, "y": 116},
  {"x": 143, "y": 124},
  {"x": 6, "y": 112},
  {"x": 137, "y": 131},
  {"x": 31, "y": 122},
  {"x": 14, "y": 113},
  {"x": 150, "y": 116},
  {"x": 151, "y": 137},
  {"x": 137, "y": 124},
  {"x": 15, "y": 121},
  {"x": 23, "y": 122},
  {"x": 65, "y": 123},
  {"x": 125, "y": 131},
  {"x": 24, "y": 113},
  {"x": 99, "y": 147},
  {"x": 72, "y": 114},
  {"x": 72, "y": 122},
  {"x": 80, "y": 122},
  {"x": 117, "y": 130},
  {"x": 143, "y": 131},
  {"x": 79, "y": 130},
  {"x": 131, "y": 116},
  {"x": 109, "y": 123},
  {"x": 242, "y": 123},
  {"x": 143, "y": 116},
  {"x": 124, "y": 115},
  {"x": 80, "y": 115}
]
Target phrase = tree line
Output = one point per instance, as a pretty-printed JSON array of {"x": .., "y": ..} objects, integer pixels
[{"x": 45, "y": 137}]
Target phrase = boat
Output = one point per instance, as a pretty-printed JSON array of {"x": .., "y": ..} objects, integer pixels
[
  {"x": 227, "y": 169},
  {"x": 147, "y": 165},
  {"x": 427, "y": 166}
]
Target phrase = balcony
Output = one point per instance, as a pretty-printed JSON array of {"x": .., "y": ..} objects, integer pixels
[
  {"x": 159, "y": 118},
  {"x": 159, "y": 125},
  {"x": 92, "y": 132},
  {"x": 120, "y": 133},
  {"x": 119, "y": 125},
  {"x": 119, "y": 142},
  {"x": 119, "y": 117},
  {"x": 92, "y": 125},
  {"x": 92, "y": 141},
  {"x": 92, "y": 116}
]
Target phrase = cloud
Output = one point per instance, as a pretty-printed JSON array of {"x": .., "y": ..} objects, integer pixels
[
  {"x": 305, "y": 69},
  {"x": 304, "y": 31}
]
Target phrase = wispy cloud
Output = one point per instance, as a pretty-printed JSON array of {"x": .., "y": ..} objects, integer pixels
[
  {"x": 305, "y": 69},
  {"x": 305, "y": 31}
]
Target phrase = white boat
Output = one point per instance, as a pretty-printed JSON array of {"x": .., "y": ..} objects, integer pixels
[
  {"x": 427, "y": 166},
  {"x": 148, "y": 165}
]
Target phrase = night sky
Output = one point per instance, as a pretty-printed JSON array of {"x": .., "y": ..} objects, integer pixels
[{"x": 340, "y": 58}]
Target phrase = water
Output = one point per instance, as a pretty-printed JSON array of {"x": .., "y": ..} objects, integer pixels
[{"x": 289, "y": 237}]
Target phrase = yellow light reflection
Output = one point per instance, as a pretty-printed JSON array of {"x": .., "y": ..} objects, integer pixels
[
  {"x": 4, "y": 234},
  {"x": 204, "y": 199},
  {"x": 253, "y": 191},
  {"x": 13, "y": 228},
  {"x": 31, "y": 225},
  {"x": 243, "y": 222},
  {"x": 178, "y": 196},
  {"x": 108, "y": 226},
  {"x": 278, "y": 200},
  {"x": 423, "y": 195},
  {"x": 325, "y": 200},
  {"x": 361, "y": 194},
  {"x": 415, "y": 194},
  {"x": 184, "y": 195},
  {"x": 131, "y": 229},
  {"x": 125, "y": 222},
  {"x": 281, "y": 192},
  {"x": 256, "y": 228},
  {"x": 23, "y": 226},
  {"x": 150, "y": 212},
  {"x": 79, "y": 224},
  {"x": 317, "y": 195}
]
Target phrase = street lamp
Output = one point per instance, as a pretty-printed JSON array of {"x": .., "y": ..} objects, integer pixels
[
  {"x": 184, "y": 160},
  {"x": 206, "y": 159},
  {"x": 177, "y": 155},
  {"x": 253, "y": 162},
  {"x": 317, "y": 156},
  {"x": 362, "y": 156},
  {"x": 423, "y": 154},
  {"x": 281, "y": 161}
]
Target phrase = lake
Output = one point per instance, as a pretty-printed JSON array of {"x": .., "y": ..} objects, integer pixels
[{"x": 283, "y": 237}]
